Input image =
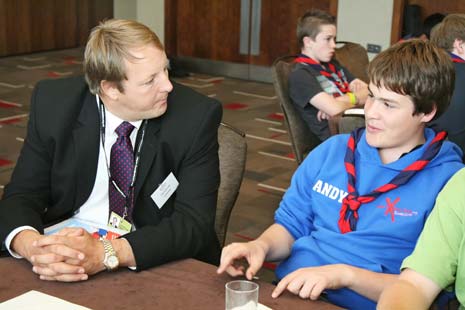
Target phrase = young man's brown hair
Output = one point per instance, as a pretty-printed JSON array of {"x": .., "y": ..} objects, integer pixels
[
  {"x": 309, "y": 24},
  {"x": 418, "y": 69}
]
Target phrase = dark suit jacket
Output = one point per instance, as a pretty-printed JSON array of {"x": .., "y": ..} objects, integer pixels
[
  {"x": 56, "y": 170},
  {"x": 452, "y": 119}
]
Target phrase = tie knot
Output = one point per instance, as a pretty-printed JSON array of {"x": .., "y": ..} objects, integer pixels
[
  {"x": 124, "y": 129},
  {"x": 352, "y": 202}
]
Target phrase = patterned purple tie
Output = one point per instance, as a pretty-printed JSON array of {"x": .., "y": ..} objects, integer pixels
[{"x": 121, "y": 169}]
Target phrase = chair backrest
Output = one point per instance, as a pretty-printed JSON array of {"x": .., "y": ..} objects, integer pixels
[
  {"x": 354, "y": 57},
  {"x": 348, "y": 123},
  {"x": 302, "y": 139},
  {"x": 232, "y": 155}
]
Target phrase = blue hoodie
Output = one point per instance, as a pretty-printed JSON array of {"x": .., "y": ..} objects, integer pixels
[{"x": 388, "y": 227}]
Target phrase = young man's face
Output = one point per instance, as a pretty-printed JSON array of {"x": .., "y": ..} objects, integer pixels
[
  {"x": 390, "y": 124},
  {"x": 147, "y": 86},
  {"x": 322, "y": 48}
]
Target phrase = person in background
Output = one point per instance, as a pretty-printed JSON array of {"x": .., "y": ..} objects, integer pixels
[
  {"x": 438, "y": 259},
  {"x": 319, "y": 87},
  {"x": 429, "y": 23},
  {"x": 423, "y": 31},
  {"x": 357, "y": 204},
  {"x": 450, "y": 35},
  {"x": 124, "y": 142}
]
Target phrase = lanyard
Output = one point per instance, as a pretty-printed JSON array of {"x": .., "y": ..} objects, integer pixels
[{"x": 130, "y": 195}]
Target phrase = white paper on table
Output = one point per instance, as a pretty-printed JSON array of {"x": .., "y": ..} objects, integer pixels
[
  {"x": 34, "y": 300},
  {"x": 354, "y": 111},
  {"x": 263, "y": 307},
  {"x": 251, "y": 305}
]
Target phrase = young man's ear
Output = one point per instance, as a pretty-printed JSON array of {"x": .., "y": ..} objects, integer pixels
[
  {"x": 109, "y": 89},
  {"x": 307, "y": 41},
  {"x": 428, "y": 117}
]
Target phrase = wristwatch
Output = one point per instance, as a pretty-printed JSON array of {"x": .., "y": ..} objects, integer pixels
[{"x": 110, "y": 260}]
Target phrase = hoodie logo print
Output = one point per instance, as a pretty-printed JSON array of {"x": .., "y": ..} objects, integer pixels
[{"x": 392, "y": 210}]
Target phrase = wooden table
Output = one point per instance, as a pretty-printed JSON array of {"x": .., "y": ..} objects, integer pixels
[{"x": 185, "y": 284}]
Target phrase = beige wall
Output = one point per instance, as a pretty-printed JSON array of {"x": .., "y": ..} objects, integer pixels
[
  {"x": 360, "y": 21},
  {"x": 126, "y": 9},
  {"x": 365, "y": 21},
  {"x": 148, "y": 12}
]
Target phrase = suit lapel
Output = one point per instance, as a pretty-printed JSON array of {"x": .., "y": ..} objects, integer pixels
[
  {"x": 86, "y": 149},
  {"x": 148, "y": 152}
]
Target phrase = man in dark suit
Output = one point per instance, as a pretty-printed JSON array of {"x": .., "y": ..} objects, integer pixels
[{"x": 66, "y": 169}]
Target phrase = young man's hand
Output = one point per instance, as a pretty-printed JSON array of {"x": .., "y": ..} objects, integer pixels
[
  {"x": 254, "y": 252},
  {"x": 311, "y": 281},
  {"x": 322, "y": 116},
  {"x": 357, "y": 85}
]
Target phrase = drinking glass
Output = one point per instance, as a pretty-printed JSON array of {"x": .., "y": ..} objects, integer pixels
[{"x": 241, "y": 295}]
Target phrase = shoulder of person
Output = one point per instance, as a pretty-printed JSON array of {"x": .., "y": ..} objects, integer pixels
[
  {"x": 185, "y": 100},
  {"x": 183, "y": 95},
  {"x": 60, "y": 92},
  {"x": 300, "y": 68},
  {"x": 69, "y": 85},
  {"x": 459, "y": 69},
  {"x": 336, "y": 143},
  {"x": 57, "y": 103},
  {"x": 302, "y": 74},
  {"x": 339, "y": 140},
  {"x": 188, "y": 111}
]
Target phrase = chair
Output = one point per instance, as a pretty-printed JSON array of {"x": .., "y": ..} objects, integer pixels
[
  {"x": 302, "y": 139},
  {"x": 348, "y": 123},
  {"x": 232, "y": 155},
  {"x": 354, "y": 57}
]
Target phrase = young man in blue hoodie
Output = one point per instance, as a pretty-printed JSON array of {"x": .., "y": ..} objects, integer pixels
[{"x": 357, "y": 204}]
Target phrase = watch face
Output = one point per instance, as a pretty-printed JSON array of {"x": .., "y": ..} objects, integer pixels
[{"x": 112, "y": 262}]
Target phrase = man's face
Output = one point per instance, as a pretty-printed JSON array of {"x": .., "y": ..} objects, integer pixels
[
  {"x": 147, "y": 86},
  {"x": 459, "y": 48},
  {"x": 322, "y": 48},
  {"x": 390, "y": 124}
]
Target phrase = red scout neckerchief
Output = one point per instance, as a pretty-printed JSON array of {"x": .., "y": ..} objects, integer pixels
[
  {"x": 348, "y": 216},
  {"x": 456, "y": 58},
  {"x": 328, "y": 70}
]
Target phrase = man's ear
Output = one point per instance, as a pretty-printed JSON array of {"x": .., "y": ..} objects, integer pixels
[
  {"x": 428, "y": 117},
  {"x": 458, "y": 46},
  {"x": 109, "y": 89}
]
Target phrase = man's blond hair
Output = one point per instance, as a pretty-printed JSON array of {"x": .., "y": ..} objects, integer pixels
[{"x": 109, "y": 45}]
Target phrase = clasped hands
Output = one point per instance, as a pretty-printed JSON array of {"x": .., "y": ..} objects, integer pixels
[
  {"x": 307, "y": 282},
  {"x": 70, "y": 255}
]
